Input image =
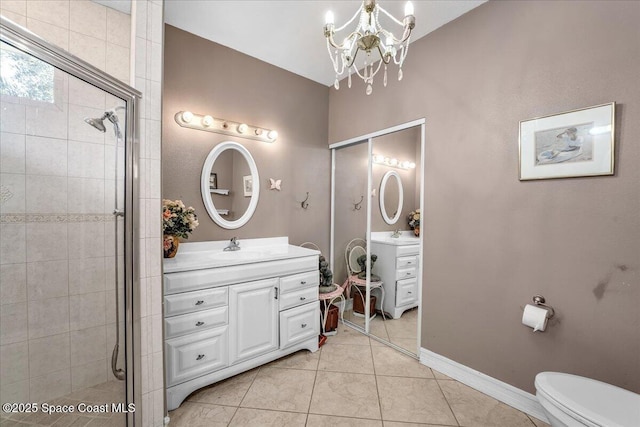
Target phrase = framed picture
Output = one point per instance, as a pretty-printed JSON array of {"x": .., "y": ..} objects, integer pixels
[
  {"x": 213, "y": 181},
  {"x": 571, "y": 144},
  {"x": 247, "y": 180}
]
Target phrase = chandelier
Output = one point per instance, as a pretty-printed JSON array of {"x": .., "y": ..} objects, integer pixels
[{"x": 369, "y": 36}]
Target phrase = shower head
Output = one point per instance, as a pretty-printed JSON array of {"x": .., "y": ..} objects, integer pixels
[{"x": 98, "y": 123}]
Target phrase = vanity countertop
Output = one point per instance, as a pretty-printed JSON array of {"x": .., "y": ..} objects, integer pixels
[
  {"x": 201, "y": 255},
  {"x": 406, "y": 238}
]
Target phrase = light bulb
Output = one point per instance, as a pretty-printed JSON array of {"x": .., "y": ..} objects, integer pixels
[
  {"x": 187, "y": 116},
  {"x": 207, "y": 121},
  {"x": 412, "y": 165},
  {"x": 377, "y": 158},
  {"x": 393, "y": 162},
  {"x": 389, "y": 41},
  {"x": 405, "y": 165},
  {"x": 258, "y": 132},
  {"x": 272, "y": 135},
  {"x": 328, "y": 18},
  {"x": 408, "y": 9},
  {"x": 242, "y": 128}
]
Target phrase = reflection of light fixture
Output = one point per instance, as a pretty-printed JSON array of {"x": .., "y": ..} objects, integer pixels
[
  {"x": 187, "y": 116},
  {"x": 392, "y": 162},
  {"x": 208, "y": 123},
  {"x": 367, "y": 36}
]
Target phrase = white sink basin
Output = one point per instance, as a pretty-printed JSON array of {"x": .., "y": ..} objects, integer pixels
[{"x": 235, "y": 255}]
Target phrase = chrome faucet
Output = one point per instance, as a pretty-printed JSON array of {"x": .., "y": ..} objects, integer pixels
[
  {"x": 396, "y": 233},
  {"x": 234, "y": 245}
]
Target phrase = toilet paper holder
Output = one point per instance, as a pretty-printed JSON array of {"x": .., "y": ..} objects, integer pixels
[{"x": 540, "y": 301}]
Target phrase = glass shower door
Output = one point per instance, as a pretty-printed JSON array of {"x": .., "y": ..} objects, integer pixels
[{"x": 62, "y": 189}]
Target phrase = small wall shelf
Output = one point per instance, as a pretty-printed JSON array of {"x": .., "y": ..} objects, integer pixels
[
  {"x": 223, "y": 211},
  {"x": 219, "y": 191}
]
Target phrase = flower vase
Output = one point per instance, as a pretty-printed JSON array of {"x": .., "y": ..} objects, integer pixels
[{"x": 170, "y": 244}]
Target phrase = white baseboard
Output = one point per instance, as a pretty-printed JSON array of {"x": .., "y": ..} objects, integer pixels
[{"x": 505, "y": 393}]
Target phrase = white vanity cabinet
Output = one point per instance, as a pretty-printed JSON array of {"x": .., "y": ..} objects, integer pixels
[
  {"x": 226, "y": 313},
  {"x": 254, "y": 328},
  {"x": 398, "y": 268}
]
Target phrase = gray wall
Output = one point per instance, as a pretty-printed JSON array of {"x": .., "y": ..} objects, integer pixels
[
  {"x": 207, "y": 78},
  {"x": 492, "y": 242}
]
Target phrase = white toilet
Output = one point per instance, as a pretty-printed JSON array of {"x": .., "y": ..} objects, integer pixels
[{"x": 573, "y": 401}]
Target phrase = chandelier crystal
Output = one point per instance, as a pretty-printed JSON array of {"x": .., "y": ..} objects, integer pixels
[{"x": 368, "y": 36}]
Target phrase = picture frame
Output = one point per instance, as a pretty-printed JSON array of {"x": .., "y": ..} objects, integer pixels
[
  {"x": 247, "y": 183},
  {"x": 571, "y": 144},
  {"x": 213, "y": 181}
]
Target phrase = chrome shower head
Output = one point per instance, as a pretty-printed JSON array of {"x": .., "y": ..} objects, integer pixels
[{"x": 96, "y": 123}]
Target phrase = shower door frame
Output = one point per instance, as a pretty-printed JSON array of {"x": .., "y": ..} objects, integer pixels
[{"x": 24, "y": 40}]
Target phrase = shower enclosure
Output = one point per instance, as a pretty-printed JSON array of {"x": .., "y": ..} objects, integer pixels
[{"x": 67, "y": 234}]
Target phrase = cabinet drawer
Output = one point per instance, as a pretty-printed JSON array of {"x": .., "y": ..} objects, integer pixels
[
  {"x": 298, "y": 281},
  {"x": 299, "y": 324},
  {"x": 408, "y": 250},
  {"x": 195, "y": 301},
  {"x": 198, "y": 321},
  {"x": 406, "y": 292},
  {"x": 406, "y": 273},
  {"x": 407, "y": 261},
  {"x": 299, "y": 297},
  {"x": 196, "y": 354}
]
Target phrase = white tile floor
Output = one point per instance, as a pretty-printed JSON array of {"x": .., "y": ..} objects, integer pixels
[{"x": 350, "y": 381}]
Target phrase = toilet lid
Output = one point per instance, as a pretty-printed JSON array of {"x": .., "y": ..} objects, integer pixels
[{"x": 601, "y": 403}]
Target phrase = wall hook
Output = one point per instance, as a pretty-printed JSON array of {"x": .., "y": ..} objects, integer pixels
[
  {"x": 304, "y": 203},
  {"x": 358, "y": 206}
]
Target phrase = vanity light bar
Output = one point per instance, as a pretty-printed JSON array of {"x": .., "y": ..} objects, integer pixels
[
  {"x": 392, "y": 162},
  {"x": 187, "y": 119}
]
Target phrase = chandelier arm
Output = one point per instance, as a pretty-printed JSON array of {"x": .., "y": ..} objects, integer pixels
[
  {"x": 383, "y": 56},
  {"x": 390, "y": 16},
  {"x": 350, "y": 20},
  {"x": 353, "y": 60}
]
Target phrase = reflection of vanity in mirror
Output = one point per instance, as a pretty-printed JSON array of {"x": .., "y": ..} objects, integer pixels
[{"x": 387, "y": 165}]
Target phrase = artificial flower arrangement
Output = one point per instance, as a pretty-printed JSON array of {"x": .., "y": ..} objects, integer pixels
[
  {"x": 177, "y": 221},
  {"x": 414, "y": 221}
]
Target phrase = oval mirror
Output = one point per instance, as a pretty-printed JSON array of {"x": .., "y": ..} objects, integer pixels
[
  {"x": 391, "y": 197},
  {"x": 230, "y": 185}
]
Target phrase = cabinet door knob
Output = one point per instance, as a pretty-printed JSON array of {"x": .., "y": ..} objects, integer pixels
[
  {"x": 408, "y": 262},
  {"x": 202, "y": 323},
  {"x": 303, "y": 282},
  {"x": 304, "y": 325},
  {"x": 199, "y": 302},
  {"x": 303, "y": 298},
  {"x": 408, "y": 274},
  {"x": 409, "y": 292},
  {"x": 200, "y": 357}
]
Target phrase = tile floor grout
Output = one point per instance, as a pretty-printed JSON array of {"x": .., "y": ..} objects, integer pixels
[{"x": 305, "y": 361}]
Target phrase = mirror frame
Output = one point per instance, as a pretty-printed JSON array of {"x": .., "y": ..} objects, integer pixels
[
  {"x": 383, "y": 187},
  {"x": 206, "y": 194},
  {"x": 368, "y": 139}
]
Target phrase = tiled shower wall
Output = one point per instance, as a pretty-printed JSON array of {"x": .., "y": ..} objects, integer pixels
[
  {"x": 103, "y": 37},
  {"x": 148, "y": 76},
  {"x": 57, "y": 308},
  {"x": 57, "y": 325}
]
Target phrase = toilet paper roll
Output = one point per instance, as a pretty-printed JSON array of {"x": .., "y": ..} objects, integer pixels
[{"x": 535, "y": 317}]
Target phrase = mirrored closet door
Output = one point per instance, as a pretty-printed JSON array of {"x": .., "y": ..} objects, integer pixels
[{"x": 377, "y": 244}]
